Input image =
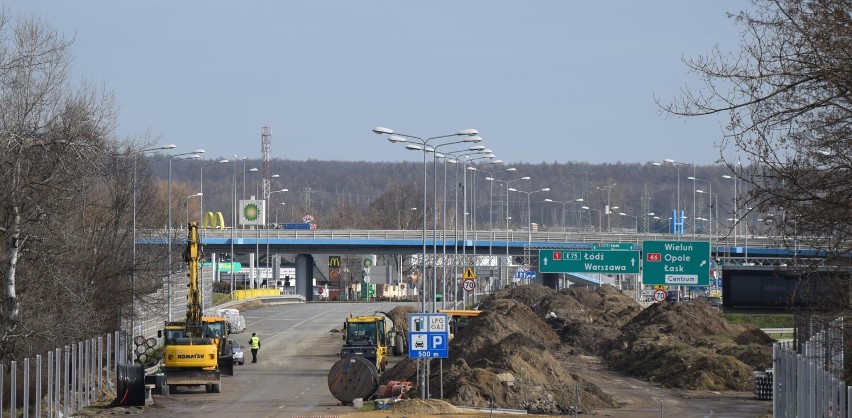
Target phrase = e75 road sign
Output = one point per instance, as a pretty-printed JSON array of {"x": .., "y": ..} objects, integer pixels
[{"x": 589, "y": 261}]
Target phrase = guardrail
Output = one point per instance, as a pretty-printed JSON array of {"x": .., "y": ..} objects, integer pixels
[{"x": 753, "y": 241}]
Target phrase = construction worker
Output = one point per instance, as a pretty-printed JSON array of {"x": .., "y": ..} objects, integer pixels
[{"x": 254, "y": 343}]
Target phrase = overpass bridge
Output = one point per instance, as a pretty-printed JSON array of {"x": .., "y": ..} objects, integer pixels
[
  {"x": 494, "y": 249},
  {"x": 727, "y": 249}
]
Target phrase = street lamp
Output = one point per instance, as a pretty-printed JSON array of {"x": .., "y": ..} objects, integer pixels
[
  {"x": 736, "y": 223},
  {"x": 133, "y": 270},
  {"x": 268, "y": 199},
  {"x": 713, "y": 206},
  {"x": 674, "y": 164},
  {"x": 424, "y": 142},
  {"x": 201, "y": 183},
  {"x": 199, "y": 194},
  {"x": 563, "y": 208},
  {"x": 508, "y": 218},
  {"x": 590, "y": 217},
  {"x": 695, "y": 189},
  {"x": 529, "y": 214},
  {"x": 234, "y": 221},
  {"x": 678, "y": 218},
  {"x": 607, "y": 188},
  {"x": 183, "y": 156}
]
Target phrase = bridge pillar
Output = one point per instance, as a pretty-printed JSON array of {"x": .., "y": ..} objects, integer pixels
[
  {"x": 550, "y": 280},
  {"x": 305, "y": 276}
]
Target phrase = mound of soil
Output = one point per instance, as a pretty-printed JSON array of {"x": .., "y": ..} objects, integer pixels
[
  {"x": 689, "y": 345},
  {"x": 506, "y": 356},
  {"x": 503, "y": 358},
  {"x": 423, "y": 406}
]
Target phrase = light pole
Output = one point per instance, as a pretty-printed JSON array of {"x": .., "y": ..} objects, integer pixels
[
  {"x": 234, "y": 224},
  {"x": 736, "y": 224},
  {"x": 678, "y": 218},
  {"x": 268, "y": 200},
  {"x": 714, "y": 207},
  {"x": 424, "y": 142},
  {"x": 529, "y": 216},
  {"x": 183, "y": 156},
  {"x": 199, "y": 194},
  {"x": 607, "y": 188},
  {"x": 133, "y": 270},
  {"x": 710, "y": 185},
  {"x": 563, "y": 203},
  {"x": 506, "y": 215},
  {"x": 201, "y": 184},
  {"x": 590, "y": 216},
  {"x": 674, "y": 164},
  {"x": 399, "y": 218}
]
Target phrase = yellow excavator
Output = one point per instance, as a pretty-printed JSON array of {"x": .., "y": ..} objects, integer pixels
[{"x": 196, "y": 350}]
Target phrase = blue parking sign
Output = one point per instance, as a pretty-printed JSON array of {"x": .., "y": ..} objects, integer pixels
[{"x": 428, "y": 335}]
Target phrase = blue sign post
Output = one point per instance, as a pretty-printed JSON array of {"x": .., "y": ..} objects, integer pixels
[{"x": 428, "y": 335}]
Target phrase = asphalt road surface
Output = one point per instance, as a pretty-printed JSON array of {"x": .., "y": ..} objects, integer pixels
[
  {"x": 290, "y": 377},
  {"x": 299, "y": 348}
]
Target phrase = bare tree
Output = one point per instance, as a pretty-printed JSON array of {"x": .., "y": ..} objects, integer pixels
[
  {"x": 53, "y": 138},
  {"x": 788, "y": 96}
]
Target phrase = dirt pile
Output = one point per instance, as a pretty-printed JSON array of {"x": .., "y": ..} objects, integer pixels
[
  {"x": 503, "y": 359},
  {"x": 507, "y": 356},
  {"x": 689, "y": 345},
  {"x": 587, "y": 320}
]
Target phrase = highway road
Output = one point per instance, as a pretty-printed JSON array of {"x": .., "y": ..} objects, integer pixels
[{"x": 298, "y": 348}]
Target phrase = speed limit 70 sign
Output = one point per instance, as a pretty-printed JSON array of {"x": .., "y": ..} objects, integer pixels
[{"x": 469, "y": 285}]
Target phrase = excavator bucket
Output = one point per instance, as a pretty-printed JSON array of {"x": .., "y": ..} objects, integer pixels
[{"x": 226, "y": 365}]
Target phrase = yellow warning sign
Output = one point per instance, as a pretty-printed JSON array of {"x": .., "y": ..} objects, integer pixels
[{"x": 469, "y": 274}]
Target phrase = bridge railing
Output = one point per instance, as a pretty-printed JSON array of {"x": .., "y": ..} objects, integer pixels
[{"x": 535, "y": 238}]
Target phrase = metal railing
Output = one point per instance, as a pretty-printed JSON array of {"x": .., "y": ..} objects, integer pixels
[
  {"x": 807, "y": 382},
  {"x": 64, "y": 381},
  {"x": 480, "y": 236}
]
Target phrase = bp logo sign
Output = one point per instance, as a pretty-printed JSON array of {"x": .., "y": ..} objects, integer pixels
[{"x": 252, "y": 212}]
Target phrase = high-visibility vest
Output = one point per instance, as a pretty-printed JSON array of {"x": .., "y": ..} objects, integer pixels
[{"x": 254, "y": 342}]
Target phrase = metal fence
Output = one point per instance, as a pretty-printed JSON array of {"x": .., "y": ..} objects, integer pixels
[
  {"x": 808, "y": 375},
  {"x": 62, "y": 382}
]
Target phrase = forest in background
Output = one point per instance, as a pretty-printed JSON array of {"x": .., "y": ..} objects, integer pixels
[{"x": 381, "y": 195}]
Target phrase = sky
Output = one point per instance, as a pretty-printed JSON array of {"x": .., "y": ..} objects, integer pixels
[{"x": 542, "y": 81}]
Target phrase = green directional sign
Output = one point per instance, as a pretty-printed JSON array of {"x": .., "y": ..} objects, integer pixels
[
  {"x": 676, "y": 263},
  {"x": 612, "y": 246},
  {"x": 589, "y": 261}
]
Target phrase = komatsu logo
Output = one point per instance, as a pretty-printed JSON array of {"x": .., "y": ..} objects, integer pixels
[{"x": 190, "y": 356}]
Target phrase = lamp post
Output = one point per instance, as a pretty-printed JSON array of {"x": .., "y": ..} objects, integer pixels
[
  {"x": 675, "y": 164},
  {"x": 736, "y": 218},
  {"x": 563, "y": 208},
  {"x": 714, "y": 210},
  {"x": 424, "y": 142},
  {"x": 133, "y": 270},
  {"x": 590, "y": 216},
  {"x": 234, "y": 224},
  {"x": 268, "y": 200},
  {"x": 508, "y": 218},
  {"x": 201, "y": 184},
  {"x": 607, "y": 188},
  {"x": 199, "y": 194},
  {"x": 529, "y": 214},
  {"x": 710, "y": 185},
  {"x": 183, "y": 156},
  {"x": 678, "y": 219}
]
